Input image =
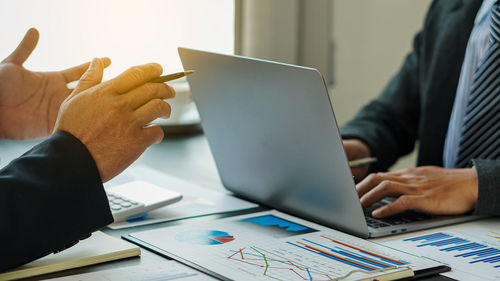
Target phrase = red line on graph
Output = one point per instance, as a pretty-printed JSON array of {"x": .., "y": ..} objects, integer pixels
[
  {"x": 258, "y": 265},
  {"x": 275, "y": 267},
  {"x": 296, "y": 269},
  {"x": 303, "y": 278},
  {"x": 246, "y": 261},
  {"x": 364, "y": 251},
  {"x": 369, "y": 260},
  {"x": 236, "y": 253},
  {"x": 332, "y": 255}
]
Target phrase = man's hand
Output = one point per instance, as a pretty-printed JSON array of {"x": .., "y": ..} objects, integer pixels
[
  {"x": 430, "y": 189},
  {"x": 110, "y": 118},
  {"x": 30, "y": 101},
  {"x": 356, "y": 149}
]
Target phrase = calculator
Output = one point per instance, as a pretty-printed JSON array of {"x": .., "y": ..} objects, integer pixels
[{"x": 134, "y": 199}]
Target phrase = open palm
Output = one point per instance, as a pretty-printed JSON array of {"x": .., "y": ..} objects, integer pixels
[{"x": 30, "y": 101}]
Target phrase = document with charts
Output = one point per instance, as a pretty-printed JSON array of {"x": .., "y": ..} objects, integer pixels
[
  {"x": 274, "y": 246},
  {"x": 472, "y": 249}
]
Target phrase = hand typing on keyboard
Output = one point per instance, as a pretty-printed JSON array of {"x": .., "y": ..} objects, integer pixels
[{"x": 430, "y": 189}]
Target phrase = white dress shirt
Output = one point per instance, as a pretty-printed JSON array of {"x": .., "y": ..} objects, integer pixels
[{"x": 476, "y": 48}]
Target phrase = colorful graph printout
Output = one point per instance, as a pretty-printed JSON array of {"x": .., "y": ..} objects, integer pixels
[
  {"x": 277, "y": 266},
  {"x": 275, "y": 246}
]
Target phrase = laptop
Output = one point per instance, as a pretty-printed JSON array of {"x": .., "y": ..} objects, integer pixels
[{"x": 273, "y": 134}]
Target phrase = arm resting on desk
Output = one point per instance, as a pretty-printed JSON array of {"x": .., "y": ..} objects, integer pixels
[{"x": 50, "y": 198}]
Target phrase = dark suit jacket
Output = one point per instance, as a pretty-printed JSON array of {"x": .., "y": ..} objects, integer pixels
[
  {"x": 50, "y": 198},
  {"x": 416, "y": 105}
]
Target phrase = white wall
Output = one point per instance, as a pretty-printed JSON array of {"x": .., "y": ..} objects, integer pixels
[
  {"x": 371, "y": 40},
  {"x": 290, "y": 31},
  {"x": 129, "y": 32}
]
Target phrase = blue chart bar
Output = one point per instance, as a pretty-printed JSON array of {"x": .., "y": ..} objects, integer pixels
[
  {"x": 490, "y": 260},
  {"x": 473, "y": 251},
  {"x": 445, "y": 242},
  {"x": 480, "y": 253},
  {"x": 348, "y": 254},
  {"x": 469, "y": 246},
  {"x": 356, "y": 256},
  {"x": 430, "y": 237},
  {"x": 345, "y": 261}
]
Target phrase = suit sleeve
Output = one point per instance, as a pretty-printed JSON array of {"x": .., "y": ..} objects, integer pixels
[
  {"x": 50, "y": 197},
  {"x": 488, "y": 174},
  {"x": 389, "y": 124}
]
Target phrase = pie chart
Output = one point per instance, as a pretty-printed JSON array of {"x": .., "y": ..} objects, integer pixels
[{"x": 204, "y": 237}]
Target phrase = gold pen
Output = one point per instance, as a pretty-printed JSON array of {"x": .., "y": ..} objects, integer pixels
[
  {"x": 170, "y": 77},
  {"x": 362, "y": 161}
]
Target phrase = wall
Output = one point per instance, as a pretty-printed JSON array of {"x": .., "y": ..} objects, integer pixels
[
  {"x": 371, "y": 39},
  {"x": 290, "y": 31},
  {"x": 130, "y": 32}
]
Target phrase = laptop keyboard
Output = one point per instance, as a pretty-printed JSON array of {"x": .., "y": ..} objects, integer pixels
[{"x": 401, "y": 218}]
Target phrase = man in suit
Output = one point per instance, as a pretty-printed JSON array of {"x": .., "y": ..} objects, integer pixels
[
  {"x": 52, "y": 196},
  {"x": 430, "y": 101}
]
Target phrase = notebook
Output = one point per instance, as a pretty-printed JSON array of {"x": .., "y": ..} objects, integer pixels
[{"x": 97, "y": 248}]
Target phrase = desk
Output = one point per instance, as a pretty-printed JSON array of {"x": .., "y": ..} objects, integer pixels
[
  {"x": 179, "y": 156},
  {"x": 188, "y": 158}
]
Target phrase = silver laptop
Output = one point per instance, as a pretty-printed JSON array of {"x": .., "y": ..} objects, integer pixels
[{"x": 275, "y": 141}]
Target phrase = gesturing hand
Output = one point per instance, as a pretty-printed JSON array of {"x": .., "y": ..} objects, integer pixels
[
  {"x": 110, "y": 118},
  {"x": 430, "y": 189},
  {"x": 30, "y": 101}
]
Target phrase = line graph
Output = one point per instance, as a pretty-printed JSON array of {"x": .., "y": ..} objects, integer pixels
[
  {"x": 272, "y": 262},
  {"x": 308, "y": 263}
]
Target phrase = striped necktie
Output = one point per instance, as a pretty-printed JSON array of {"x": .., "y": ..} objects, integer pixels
[{"x": 480, "y": 136}]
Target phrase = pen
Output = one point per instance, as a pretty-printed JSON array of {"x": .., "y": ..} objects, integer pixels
[
  {"x": 362, "y": 161},
  {"x": 170, "y": 77}
]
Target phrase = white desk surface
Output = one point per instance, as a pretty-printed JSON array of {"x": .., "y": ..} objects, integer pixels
[{"x": 188, "y": 158}]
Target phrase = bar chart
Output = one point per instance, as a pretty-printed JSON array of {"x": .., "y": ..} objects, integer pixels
[
  {"x": 458, "y": 247},
  {"x": 348, "y": 254},
  {"x": 472, "y": 253}
]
